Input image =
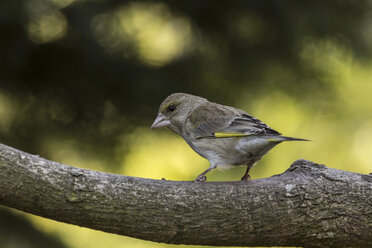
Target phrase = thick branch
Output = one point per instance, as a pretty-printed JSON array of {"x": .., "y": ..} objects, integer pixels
[{"x": 309, "y": 205}]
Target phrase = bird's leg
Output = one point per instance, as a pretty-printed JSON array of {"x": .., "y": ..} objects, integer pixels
[
  {"x": 246, "y": 176},
  {"x": 202, "y": 177}
]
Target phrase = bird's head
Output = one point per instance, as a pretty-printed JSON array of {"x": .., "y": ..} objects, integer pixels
[{"x": 175, "y": 109}]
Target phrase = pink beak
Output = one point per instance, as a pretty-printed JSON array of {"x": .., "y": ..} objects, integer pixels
[{"x": 160, "y": 121}]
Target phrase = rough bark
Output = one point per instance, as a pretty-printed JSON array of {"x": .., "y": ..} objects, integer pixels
[{"x": 309, "y": 205}]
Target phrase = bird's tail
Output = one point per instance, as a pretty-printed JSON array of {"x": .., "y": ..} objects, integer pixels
[
  {"x": 293, "y": 139},
  {"x": 285, "y": 138}
]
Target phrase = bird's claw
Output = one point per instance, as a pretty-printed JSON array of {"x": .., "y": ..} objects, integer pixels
[
  {"x": 200, "y": 178},
  {"x": 246, "y": 178}
]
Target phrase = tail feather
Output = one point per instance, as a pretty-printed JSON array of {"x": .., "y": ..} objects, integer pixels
[
  {"x": 285, "y": 138},
  {"x": 293, "y": 139}
]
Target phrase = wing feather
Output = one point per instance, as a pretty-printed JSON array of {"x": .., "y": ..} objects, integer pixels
[{"x": 213, "y": 120}]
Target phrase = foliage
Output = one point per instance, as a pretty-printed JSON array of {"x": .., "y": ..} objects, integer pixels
[{"x": 81, "y": 80}]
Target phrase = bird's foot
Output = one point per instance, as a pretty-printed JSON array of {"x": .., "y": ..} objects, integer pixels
[
  {"x": 200, "y": 178},
  {"x": 246, "y": 177}
]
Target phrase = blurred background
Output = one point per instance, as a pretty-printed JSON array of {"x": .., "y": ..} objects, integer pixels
[{"x": 81, "y": 82}]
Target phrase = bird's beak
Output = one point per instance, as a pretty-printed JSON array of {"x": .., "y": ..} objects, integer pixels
[{"x": 160, "y": 121}]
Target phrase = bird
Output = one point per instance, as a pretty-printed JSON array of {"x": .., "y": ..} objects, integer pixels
[{"x": 224, "y": 135}]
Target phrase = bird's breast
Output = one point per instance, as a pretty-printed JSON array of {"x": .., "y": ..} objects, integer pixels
[{"x": 231, "y": 151}]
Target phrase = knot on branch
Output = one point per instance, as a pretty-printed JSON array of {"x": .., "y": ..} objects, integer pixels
[{"x": 305, "y": 165}]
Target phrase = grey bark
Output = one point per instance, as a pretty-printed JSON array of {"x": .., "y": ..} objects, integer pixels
[{"x": 309, "y": 205}]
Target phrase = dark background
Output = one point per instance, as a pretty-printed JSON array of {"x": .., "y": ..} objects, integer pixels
[{"x": 93, "y": 72}]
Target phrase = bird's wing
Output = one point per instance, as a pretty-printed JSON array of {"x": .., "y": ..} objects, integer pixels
[{"x": 218, "y": 121}]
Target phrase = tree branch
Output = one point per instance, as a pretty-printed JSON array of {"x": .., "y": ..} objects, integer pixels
[{"x": 309, "y": 205}]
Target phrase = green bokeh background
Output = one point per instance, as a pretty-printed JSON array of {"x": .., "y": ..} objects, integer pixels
[{"x": 81, "y": 81}]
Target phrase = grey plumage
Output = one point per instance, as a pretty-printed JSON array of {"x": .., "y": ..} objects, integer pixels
[{"x": 224, "y": 135}]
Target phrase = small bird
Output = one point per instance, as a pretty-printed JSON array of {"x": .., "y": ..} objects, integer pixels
[{"x": 224, "y": 135}]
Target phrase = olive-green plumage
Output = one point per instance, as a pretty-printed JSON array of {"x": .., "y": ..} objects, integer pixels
[{"x": 224, "y": 135}]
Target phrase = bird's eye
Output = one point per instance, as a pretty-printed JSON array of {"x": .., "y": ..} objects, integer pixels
[{"x": 171, "y": 108}]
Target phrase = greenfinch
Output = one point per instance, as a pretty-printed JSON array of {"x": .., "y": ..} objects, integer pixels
[{"x": 224, "y": 135}]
